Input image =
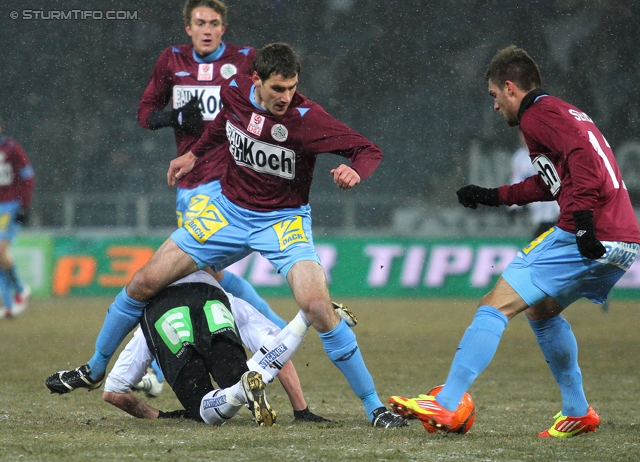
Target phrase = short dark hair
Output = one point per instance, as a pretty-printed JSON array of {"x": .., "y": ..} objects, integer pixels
[
  {"x": 278, "y": 59},
  {"x": 215, "y": 5},
  {"x": 514, "y": 64}
]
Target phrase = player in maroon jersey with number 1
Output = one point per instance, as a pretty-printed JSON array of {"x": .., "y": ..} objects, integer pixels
[{"x": 594, "y": 242}]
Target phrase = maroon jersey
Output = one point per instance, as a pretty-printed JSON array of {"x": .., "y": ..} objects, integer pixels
[
  {"x": 180, "y": 74},
  {"x": 576, "y": 167},
  {"x": 16, "y": 173},
  {"x": 270, "y": 159}
]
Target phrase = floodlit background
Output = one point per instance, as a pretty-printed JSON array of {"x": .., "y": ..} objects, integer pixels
[{"x": 407, "y": 74}]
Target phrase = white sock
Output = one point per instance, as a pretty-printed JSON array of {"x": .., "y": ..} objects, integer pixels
[
  {"x": 236, "y": 395},
  {"x": 216, "y": 408},
  {"x": 274, "y": 354}
]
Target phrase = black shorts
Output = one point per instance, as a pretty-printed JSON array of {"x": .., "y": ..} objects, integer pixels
[{"x": 183, "y": 321}]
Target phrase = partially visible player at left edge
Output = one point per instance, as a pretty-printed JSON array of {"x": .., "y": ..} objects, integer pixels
[{"x": 16, "y": 190}]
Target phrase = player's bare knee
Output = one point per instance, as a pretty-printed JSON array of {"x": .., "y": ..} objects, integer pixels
[{"x": 321, "y": 314}]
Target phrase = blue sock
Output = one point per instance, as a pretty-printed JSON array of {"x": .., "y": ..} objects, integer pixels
[
  {"x": 475, "y": 351},
  {"x": 342, "y": 348},
  {"x": 123, "y": 315},
  {"x": 14, "y": 279},
  {"x": 241, "y": 288},
  {"x": 560, "y": 350},
  {"x": 156, "y": 368},
  {"x": 5, "y": 287}
]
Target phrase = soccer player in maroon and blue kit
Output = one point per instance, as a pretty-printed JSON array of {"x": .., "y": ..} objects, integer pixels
[
  {"x": 16, "y": 189},
  {"x": 189, "y": 77},
  {"x": 594, "y": 242},
  {"x": 269, "y": 137}
]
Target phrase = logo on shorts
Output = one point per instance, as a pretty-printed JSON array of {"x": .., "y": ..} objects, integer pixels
[
  {"x": 227, "y": 70},
  {"x": 197, "y": 205},
  {"x": 205, "y": 225},
  {"x": 219, "y": 318},
  {"x": 533, "y": 244},
  {"x": 290, "y": 232},
  {"x": 175, "y": 328},
  {"x": 620, "y": 254},
  {"x": 279, "y": 132}
]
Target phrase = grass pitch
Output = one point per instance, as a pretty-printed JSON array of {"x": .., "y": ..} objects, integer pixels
[{"x": 408, "y": 346}]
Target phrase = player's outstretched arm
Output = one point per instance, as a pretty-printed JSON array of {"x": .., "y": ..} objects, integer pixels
[
  {"x": 131, "y": 404},
  {"x": 345, "y": 177},
  {"x": 179, "y": 167},
  {"x": 472, "y": 195}
]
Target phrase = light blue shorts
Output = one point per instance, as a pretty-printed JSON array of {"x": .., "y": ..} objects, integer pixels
[
  {"x": 191, "y": 202},
  {"x": 224, "y": 233},
  {"x": 552, "y": 266},
  {"x": 8, "y": 225}
]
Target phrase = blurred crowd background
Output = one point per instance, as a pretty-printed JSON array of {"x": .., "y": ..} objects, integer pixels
[{"x": 408, "y": 74}]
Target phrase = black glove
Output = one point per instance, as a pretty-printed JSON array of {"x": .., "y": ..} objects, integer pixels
[
  {"x": 178, "y": 414},
  {"x": 22, "y": 216},
  {"x": 307, "y": 416},
  {"x": 188, "y": 117},
  {"x": 588, "y": 244},
  {"x": 472, "y": 195}
]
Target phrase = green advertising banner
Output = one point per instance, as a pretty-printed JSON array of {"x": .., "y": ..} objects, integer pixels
[
  {"x": 33, "y": 258},
  {"x": 398, "y": 267},
  {"x": 98, "y": 265},
  {"x": 355, "y": 267}
]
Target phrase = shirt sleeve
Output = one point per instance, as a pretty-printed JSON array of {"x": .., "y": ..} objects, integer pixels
[
  {"x": 158, "y": 92},
  {"x": 532, "y": 189},
  {"x": 323, "y": 133},
  {"x": 131, "y": 365},
  {"x": 214, "y": 135}
]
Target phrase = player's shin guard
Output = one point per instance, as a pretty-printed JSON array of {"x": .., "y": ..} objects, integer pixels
[
  {"x": 475, "y": 351},
  {"x": 123, "y": 315},
  {"x": 215, "y": 408},
  {"x": 560, "y": 350},
  {"x": 274, "y": 354},
  {"x": 342, "y": 348},
  {"x": 241, "y": 288}
]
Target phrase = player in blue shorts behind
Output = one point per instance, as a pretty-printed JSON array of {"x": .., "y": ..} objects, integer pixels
[{"x": 188, "y": 77}]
